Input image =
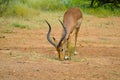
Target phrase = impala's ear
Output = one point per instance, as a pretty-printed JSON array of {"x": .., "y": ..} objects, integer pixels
[{"x": 54, "y": 40}]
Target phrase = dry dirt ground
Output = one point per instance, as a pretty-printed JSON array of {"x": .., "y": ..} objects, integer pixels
[{"x": 25, "y": 54}]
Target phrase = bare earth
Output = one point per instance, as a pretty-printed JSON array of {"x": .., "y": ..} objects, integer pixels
[{"x": 25, "y": 54}]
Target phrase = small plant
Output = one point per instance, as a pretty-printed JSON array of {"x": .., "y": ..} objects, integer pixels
[
  {"x": 7, "y": 31},
  {"x": 18, "y": 25}
]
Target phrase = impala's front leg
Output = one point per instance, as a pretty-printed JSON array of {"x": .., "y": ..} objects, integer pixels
[{"x": 67, "y": 51}]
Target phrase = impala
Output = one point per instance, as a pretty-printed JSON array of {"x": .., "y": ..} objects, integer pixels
[{"x": 71, "y": 22}]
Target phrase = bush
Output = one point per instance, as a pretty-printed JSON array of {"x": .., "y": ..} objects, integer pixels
[
  {"x": 33, "y": 7},
  {"x": 3, "y": 6}
]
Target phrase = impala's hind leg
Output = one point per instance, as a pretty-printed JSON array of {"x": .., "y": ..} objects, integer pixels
[{"x": 76, "y": 35}]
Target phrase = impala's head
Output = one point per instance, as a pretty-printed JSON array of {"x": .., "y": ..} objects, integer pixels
[{"x": 59, "y": 45}]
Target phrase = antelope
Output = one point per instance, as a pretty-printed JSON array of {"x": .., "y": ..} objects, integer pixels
[{"x": 71, "y": 22}]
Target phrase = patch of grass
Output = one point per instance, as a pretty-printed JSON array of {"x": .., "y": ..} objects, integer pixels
[
  {"x": 52, "y": 5},
  {"x": 28, "y": 56},
  {"x": 103, "y": 11},
  {"x": 35, "y": 56},
  {"x": 7, "y": 31},
  {"x": 115, "y": 73},
  {"x": 106, "y": 24},
  {"x": 109, "y": 23},
  {"x": 71, "y": 50},
  {"x": 20, "y": 9},
  {"x": 18, "y": 25},
  {"x": 34, "y": 7}
]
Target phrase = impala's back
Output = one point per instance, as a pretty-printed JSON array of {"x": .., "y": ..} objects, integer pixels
[{"x": 72, "y": 19}]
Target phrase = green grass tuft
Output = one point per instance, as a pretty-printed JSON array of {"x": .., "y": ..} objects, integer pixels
[{"x": 18, "y": 25}]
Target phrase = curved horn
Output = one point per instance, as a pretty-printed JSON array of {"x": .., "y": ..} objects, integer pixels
[
  {"x": 48, "y": 35},
  {"x": 65, "y": 32}
]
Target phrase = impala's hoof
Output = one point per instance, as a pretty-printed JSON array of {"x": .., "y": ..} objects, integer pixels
[
  {"x": 75, "y": 53},
  {"x": 67, "y": 58}
]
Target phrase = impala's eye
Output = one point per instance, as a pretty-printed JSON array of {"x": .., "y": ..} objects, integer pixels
[{"x": 62, "y": 50}]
